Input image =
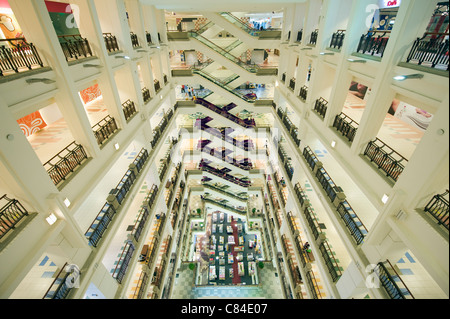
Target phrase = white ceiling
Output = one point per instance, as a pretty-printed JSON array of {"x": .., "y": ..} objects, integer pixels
[{"x": 219, "y": 5}]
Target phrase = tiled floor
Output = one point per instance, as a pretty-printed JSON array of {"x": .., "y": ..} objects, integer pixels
[
  {"x": 417, "y": 279},
  {"x": 269, "y": 287}
]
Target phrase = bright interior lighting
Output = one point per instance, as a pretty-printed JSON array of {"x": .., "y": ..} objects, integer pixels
[
  {"x": 67, "y": 202},
  {"x": 116, "y": 146},
  {"x": 51, "y": 219},
  {"x": 399, "y": 78},
  {"x": 333, "y": 144},
  {"x": 385, "y": 198}
]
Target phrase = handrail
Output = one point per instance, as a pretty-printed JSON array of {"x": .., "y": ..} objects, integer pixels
[
  {"x": 438, "y": 207},
  {"x": 75, "y": 46},
  {"x": 303, "y": 94},
  {"x": 330, "y": 261},
  {"x": 321, "y": 106},
  {"x": 356, "y": 227},
  {"x": 122, "y": 263},
  {"x": 388, "y": 282},
  {"x": 244, "y": 26},
  {"x": 384, "y": 159},
  {"x": 10, "y": 214},
  {"x": 345, "y": 127},
  {"x": 65, "y": 162},
  {"x": 19, "y": 55},
  {"x": 104, "y": 129}
]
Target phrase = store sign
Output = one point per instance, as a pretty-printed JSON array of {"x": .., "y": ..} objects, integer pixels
[{"x": 389, "y": 3}]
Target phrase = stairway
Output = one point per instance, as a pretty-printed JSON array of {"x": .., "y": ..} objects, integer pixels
[{"x": 204, "y": 166}]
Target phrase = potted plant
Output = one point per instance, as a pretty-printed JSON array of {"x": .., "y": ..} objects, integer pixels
[
  {"x": 191, "y": 266},
  {"x": 260, "y": 264},
  {"x": 199, "y": 211}
]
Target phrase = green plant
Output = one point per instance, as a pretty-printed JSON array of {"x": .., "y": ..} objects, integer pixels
[
  {"x": 191, "y": 266},
  {"x": 254, "y": 210},
  {"x": 261, "y": 265},
  {"x": 199, "y": 211}
]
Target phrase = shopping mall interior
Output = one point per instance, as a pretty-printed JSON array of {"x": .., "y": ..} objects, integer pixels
[{"x": 293, "y": 149}]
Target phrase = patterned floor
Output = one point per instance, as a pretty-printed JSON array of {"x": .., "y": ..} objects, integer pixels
[{"x": 269, "y": 288}]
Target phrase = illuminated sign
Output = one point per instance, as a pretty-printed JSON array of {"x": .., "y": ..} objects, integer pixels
[{"x": 389, "y": 3}]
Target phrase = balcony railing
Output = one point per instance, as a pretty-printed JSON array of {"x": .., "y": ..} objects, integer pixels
[
  {"x": 157, "y": 85},
  {"x": 331, "y": 189},
  {"x": 356, "y": 228},
  {"x": 337, "y": 39},
  {"x": 303, "y": 93},
  {"x": 11, "y": 213},
  {"x": 165, "y": 79},
  {"x": 122, "y": 264},
  {"x": 18, "y": 55},
  {"x": 346, "y": 126},
  {"x": 129, "y": 109},
  {"x": 292, "y": 84},
  {"x": 430, "y": 50},
  {"x": 299, "y": 36},
  {"x": 283, "y": 77},
  {"x": 148, "y": 37},
  {"x": 63, "y": 283},
  {"x": 104, "y": 129},
  {"x": 438, "y": 208},
  {"x": 111, "y": 42},
  {"x": 75, "y": 46},
  {"x": 134, "y": 40},
  {"x": 330, "y": 261},
  {"x": 391, "y": 281},
  {"x": 141, "y": 285},
  {"x": 60, "y": 166},
  {"x": 313, "y": 284},
  {"x": 310, "y": 157},
  {"x": 321, "y": 106},
  {"x": 314, "y": 36},
  {"x": 387, "y": 160},
  {"x": 100, "y": 224},
  {"x": 372, "y": 44},
  {"x": 146, "y": 95}
]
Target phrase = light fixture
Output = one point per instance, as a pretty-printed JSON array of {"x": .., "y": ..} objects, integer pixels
[
  {"x": 10, "y": 137},
  {"x": 67, "y": 202},
  {"x": 51, "y": 219},
  {"x": 409, "y": 76},
  {"x": 161, "y": 97},
  {"x": 356, "y": 60},
  {"x": 333, "y": 144},
  {"x": 116, "y": 146},
  {"x": 89, "y": 65},
  {"x": 126, "y": 57},
  {"x": 439, "y": 132},
  {"x": 141, "y": 50},
  {"x": 307, "y": 48},
  {"x": 385, "y": 198},
  {"x": 326, "y": 53},
  {"x": 42, "y": 80}
]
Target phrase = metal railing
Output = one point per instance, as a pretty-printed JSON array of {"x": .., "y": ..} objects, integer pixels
[
  {"x": 431, "y": 49},
  {"x": 60, "y": 166},
  {"x": 104, "y": 129},
  {"x": 330, "y": 261},
  {"x": 314, "y": 36},
  {"x": 310, "y": 157},
  {"x": 134, "y": 40},
  {"x": 111, "y": 42},
  {"x": 330, "y": 188},
  {"x": 321, "y": 106},
  {"x": 337, "y": 39},
  {"x": 292, "y": 84},
  {"x": 315, "y": 290},
  {"x": 387, "y": 160},
  {"x": 100, "y": 224},
  {"x": 390, "y": 280},
  {"x": 63, "y": 283},
  {"x": 148, "y": 37},
  {"x": 157, "y": 85},
  {"x": 141, "y": 285},
  {"x": 346, "y": 126},
  {"x": 283, "y": 77},
  {"x": 18, "y": 54},
  {"x": 122, "y": 264},
  {"x": 299, "y": 36},
  {"x": 355, "y": 226},
  {"x": 372, "y": 44},
  {"x": 11, "y": 212},
  {"x": 438, "y": 208},
  {"x": 129, "y": 109},
  {"x": 75, "y": 46},
  {"x": 146, "y": 94},
  {"x": 303, "y": 93}
]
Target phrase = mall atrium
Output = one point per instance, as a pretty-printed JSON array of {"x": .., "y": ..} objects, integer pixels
[{"x": 292, "y": 149}]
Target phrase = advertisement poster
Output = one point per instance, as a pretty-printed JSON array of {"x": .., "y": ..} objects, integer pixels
[{"x": 411, "y": 115}]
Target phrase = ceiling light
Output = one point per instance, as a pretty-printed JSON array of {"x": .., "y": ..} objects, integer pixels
[
  {"x": 89, "y": 65},
  {"x": 116, "y": 146},
  {"x": 51, "y": 219},
  {"x": 141, "y": 50},
  {"x": 385, "y": 198},
  {"x": 409, "y": 76},
  {"x": 326, "y": 53},
  {"x": 333, "y": 144},
  {"x": 126, "y": 57},
  {"x": 356, "y": 60},
  {"x": 307, "y": 48},
  {"x": 67, "y": 202},
  {"x": 42, "y": 80}
]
